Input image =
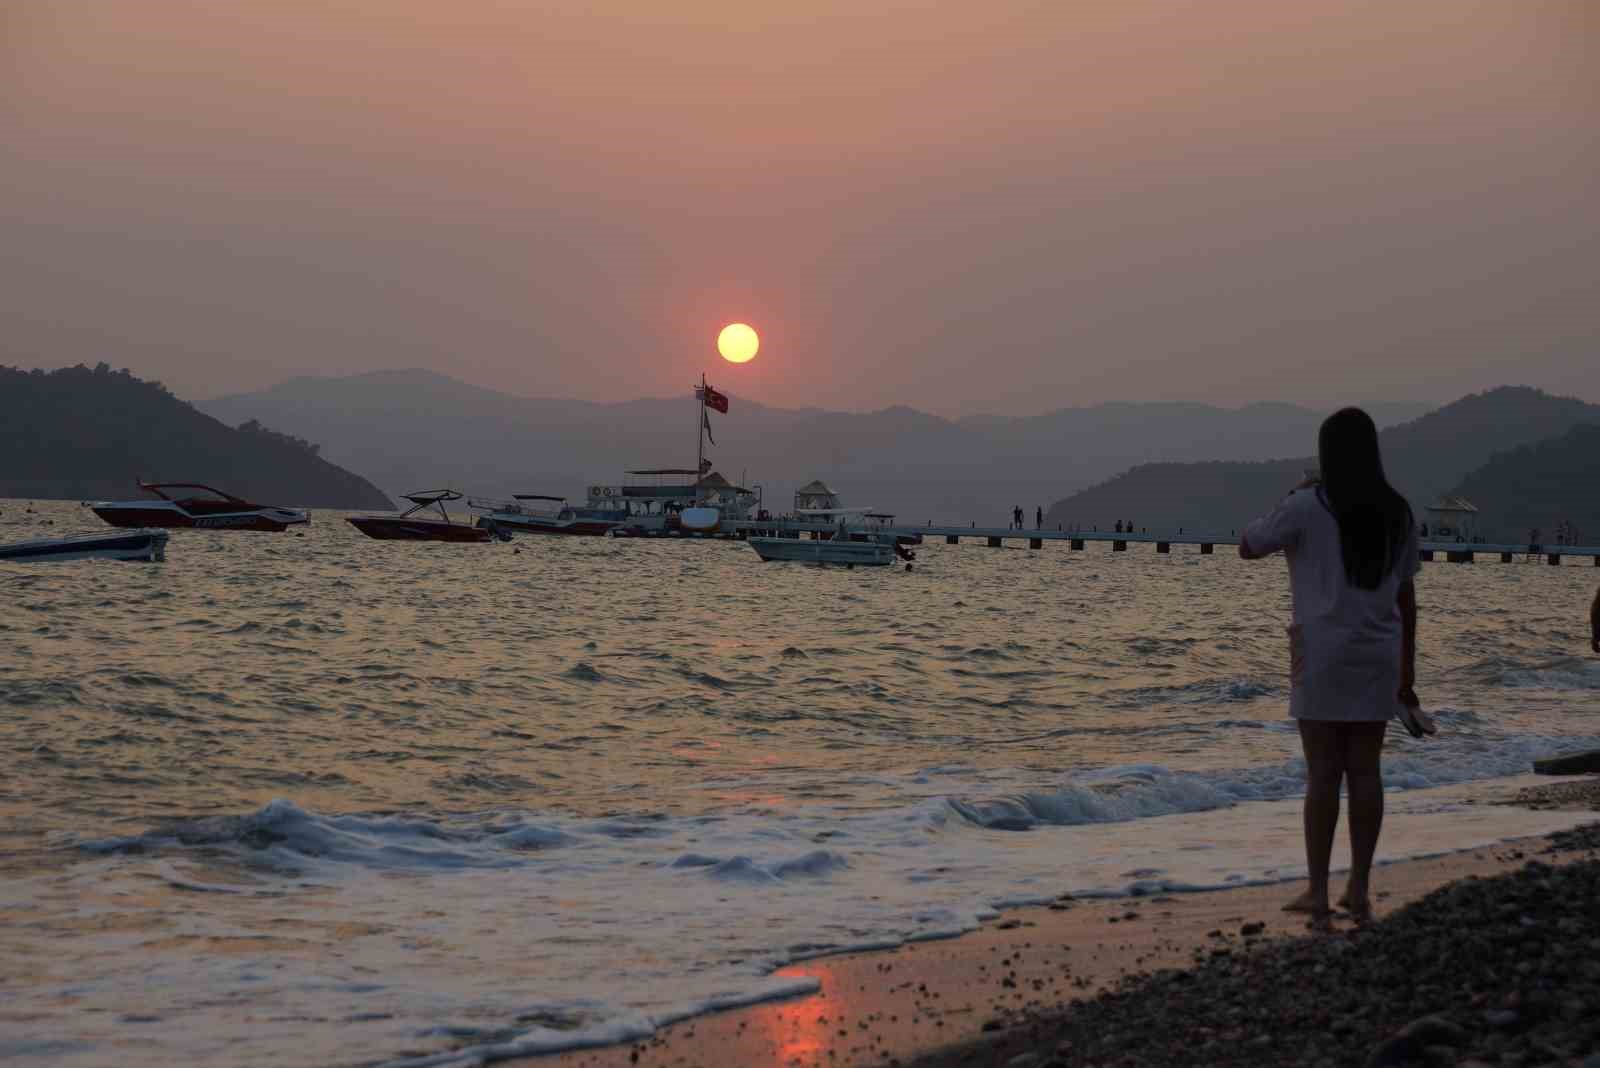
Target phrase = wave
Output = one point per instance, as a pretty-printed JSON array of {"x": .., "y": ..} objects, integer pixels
[{"x": 283, "y": 834}]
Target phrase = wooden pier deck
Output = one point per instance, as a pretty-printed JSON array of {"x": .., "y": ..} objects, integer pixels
[{"x": 1204, "y": 541}]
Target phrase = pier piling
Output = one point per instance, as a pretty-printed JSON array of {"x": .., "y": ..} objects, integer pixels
[
  {"x": 1163, "y": 546},
  {"x": 1076, "y": 543},
  {"x": 1036, "y": 543},
  {"x": 1119, "y": 546},
  {"x": 1206, "y": 548},
  {"x": 952, "y": 539},
  {"x": 994, "y": 543}
]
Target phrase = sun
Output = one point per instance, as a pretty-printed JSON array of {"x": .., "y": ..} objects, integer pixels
[{"x": 738, "y": 343}]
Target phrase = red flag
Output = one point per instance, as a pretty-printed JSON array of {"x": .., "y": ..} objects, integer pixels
[{"x": 716, "y": 400}]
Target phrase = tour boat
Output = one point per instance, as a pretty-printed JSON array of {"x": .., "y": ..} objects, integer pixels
[
  {"x": 652, "y": 502},
  {"x": 408, "y": 526},
  {"x": 207, "y": 508},
  {"x": 148, "y": 545}
]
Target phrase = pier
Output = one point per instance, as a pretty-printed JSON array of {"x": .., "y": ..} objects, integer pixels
[{"x": 1204, "y": 542}]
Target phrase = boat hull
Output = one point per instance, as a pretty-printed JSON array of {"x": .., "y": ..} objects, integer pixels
[
  {"x": 147, "y": 545},
  {"x": 532, "y": 524},
  {"x": 394, "y": 528},
  {"x": 147, "y": 514},
  {"x": 833, "y": 551}
]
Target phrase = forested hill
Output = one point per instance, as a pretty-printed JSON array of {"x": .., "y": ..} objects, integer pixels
[
  {"x": 1541, "y": 485},
  {"x": 84, "y": 432},
  {"x": 1424, "y": 458}
]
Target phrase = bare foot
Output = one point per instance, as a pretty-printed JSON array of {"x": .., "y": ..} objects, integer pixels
[
  {"x": 1359, "y": 908},
  {"x": 1308, "y": 902}
]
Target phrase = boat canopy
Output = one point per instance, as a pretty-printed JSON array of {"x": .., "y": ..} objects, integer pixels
[
  {"x": 423, "y": 498},
  {"x": 157, "y": 487},
  {"x": 535, "y": 497},
  {"x": 430, "y": 499}
]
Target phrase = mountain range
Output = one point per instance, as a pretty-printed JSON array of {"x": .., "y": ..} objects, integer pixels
[
  {"x": 409, "y": 429},
  {"x": 83, "y": 432},
  {"x": 1472, "y": 447}
]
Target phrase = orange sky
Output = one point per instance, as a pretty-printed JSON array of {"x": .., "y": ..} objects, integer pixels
[{"x": 957, "y": 206}]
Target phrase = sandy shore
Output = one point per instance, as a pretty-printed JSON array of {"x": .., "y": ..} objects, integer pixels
[{"x": 979, "y": 998}]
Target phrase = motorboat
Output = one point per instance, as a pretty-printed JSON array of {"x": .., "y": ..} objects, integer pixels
[
  {"x": 150, "y": 545},
  {"x": 848, "y": 543},
  {"x": 182, "y": 505},
  {"x": 409, "y": 526},
  {"x": 830, "y": 551},
  {"x": 537, "y": 513}
]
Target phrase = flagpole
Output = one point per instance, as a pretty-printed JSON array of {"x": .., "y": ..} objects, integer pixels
[{"x": 700, "y": 437}]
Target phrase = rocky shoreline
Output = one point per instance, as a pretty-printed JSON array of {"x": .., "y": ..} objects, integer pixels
[{"x": 1485, "y": 971}]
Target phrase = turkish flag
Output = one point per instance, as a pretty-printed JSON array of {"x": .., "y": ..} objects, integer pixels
[{"x": 716, "y": 400}]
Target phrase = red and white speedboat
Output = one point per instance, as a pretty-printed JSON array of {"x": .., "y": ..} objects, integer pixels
[{"x": 203, "y": 507}]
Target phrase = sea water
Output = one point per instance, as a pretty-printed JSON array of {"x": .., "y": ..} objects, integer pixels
[{"x": 309, "y": 798}]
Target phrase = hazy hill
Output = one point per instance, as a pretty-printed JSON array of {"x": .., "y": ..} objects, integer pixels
[
  {"x": 92, "y": 433},
  {"x": 1540, "y": 485},
  {"x": 410, "y": 428},
  {"x": 1424, "y": 458}
]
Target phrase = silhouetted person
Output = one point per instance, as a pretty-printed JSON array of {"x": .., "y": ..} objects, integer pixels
[
  {"x": 1038, "y": 518},
  {"x": 1118, "y": 529},
  {"x": 1424, "y": 530},
  {"x": 1352, "y": 548}
]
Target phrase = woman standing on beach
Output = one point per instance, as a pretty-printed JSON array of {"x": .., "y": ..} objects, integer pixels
[{"x": 1352, "y": 549}]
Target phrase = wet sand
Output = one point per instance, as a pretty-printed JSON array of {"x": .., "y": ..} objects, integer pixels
[{"x": 978, "y": 998}]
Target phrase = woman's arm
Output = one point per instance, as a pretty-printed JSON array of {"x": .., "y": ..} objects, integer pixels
[
  {"x": 1594, "y": 623},
  {"x": 1407, "y": 599},
  {"x": 1278, "y": 529}
]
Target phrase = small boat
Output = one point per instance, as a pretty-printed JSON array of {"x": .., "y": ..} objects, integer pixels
[
  {"x": 148, "y": 545},
  {"x": 207, "y": 509},
  {"x": 831, "y": 551},
  {"x": 849, "y": 544},
  {"x": 408, "y": 526},
  {"x": 537, "y": 513}
]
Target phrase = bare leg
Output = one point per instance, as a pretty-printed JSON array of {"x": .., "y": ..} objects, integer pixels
[
  {"x": 1322, "y": 742},
  {"x": 1364, "y": 780}
]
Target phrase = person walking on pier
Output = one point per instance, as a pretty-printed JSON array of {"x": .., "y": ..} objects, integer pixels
[
  {"x": 1352, "y": 548},
  {"x": 1038, "y": 518}
]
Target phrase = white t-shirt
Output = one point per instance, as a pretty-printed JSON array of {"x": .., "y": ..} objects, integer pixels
[{"x": 1344, "y": 643}]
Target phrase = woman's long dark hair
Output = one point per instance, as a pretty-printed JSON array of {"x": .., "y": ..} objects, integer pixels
[{"x": 1374, "y": 520}]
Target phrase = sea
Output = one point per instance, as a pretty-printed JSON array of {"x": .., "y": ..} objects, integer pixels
[{"x": 313, "y": 799}]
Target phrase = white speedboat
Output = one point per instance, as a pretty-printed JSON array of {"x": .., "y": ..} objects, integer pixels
[
  {"x": 831, "y": 551},
  {"x": 150, "y": 545},
  {"x": 848, "y": 543}
]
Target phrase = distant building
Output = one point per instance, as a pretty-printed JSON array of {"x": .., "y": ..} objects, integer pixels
[
  {"x": 815, "y": 494},
  {"x": 1453, "y": 518}
]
